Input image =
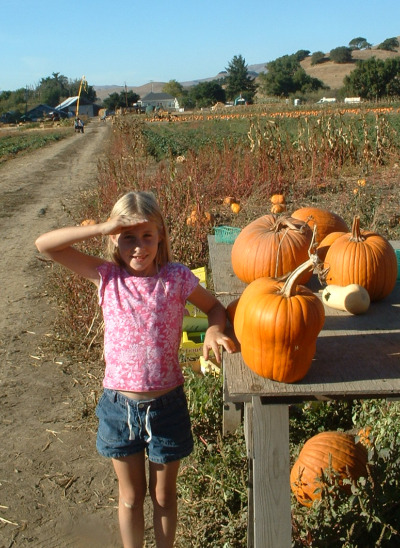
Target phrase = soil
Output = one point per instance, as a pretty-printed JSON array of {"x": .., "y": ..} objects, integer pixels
[{"x": 55, "y": 490}]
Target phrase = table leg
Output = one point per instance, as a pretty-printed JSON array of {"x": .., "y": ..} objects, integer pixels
[{"x": 271, "y": 469}]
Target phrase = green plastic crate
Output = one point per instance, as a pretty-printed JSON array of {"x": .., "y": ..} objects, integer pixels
[{"x": 226, "y": 234}]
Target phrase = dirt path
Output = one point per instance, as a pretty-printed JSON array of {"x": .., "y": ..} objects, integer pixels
[{"x": 55, "y": 491}]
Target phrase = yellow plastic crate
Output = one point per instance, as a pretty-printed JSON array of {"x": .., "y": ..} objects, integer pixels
[
  {"x": 201, "y": 273},
  {"x": 190, "y": 349},
  {"x": 193, "y": 311}
]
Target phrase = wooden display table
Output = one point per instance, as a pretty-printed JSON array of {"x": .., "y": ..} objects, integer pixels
[{"x": 356, "y": 357}]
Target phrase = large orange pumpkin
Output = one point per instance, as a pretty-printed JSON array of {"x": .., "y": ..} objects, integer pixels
[
  {"x": 326, "y": 221},
  {"x": 365, "y": 258},
  {"x": 277, "y": 325},
  {"x": 325, "y": 453},
  {"x": 270, "y": 246}
]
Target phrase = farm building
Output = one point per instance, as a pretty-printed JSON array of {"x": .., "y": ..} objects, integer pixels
[
  {"x": 86, "y": 108},
  {"x": 42, "y": 111},
  {"x": 163, "y": 100}
]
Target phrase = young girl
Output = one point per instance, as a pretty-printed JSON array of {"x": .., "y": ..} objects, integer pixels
[{"x": 143, "y": 408}]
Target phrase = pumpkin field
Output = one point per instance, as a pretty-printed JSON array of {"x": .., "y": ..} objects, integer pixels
[{"x": 232, "y": 169}]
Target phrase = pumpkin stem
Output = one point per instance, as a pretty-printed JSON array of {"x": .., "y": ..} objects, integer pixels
[
  {"x": 356, "y": 235},
  {"x": 285, "y": 222},
  {"x": 289, "y": 288}
]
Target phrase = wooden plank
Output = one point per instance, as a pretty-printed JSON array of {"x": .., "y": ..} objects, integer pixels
[
  {"x": 271, "y": 472},
  {"x": 232, "y": 412},
  {"x": 226, "y": 285}
]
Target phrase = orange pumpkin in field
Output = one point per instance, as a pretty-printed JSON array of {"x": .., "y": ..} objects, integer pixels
[
  {"x": 194, "y": 218},
  {"x": 325, "y": 453},
  {"x": 277, "y": 199},
  {"x": 235, "y": 207},
  {"x": 87, "y": 222},
  {"x": 229, "y": 200},
  {"x": 278, "y": 208}
]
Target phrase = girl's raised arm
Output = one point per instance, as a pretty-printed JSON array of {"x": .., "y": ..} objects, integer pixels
[{"x": 58, "y": 245}]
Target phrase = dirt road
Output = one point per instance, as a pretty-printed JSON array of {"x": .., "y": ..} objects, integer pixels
[{"x": 55, "y": 491}]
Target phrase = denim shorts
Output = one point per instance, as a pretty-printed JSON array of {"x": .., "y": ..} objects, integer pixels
[{"x": 160, "y": 426}]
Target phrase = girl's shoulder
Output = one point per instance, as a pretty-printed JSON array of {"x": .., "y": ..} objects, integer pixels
[
  {"x": 109, "y": 270},
  {"x": 180, "y": 276},
  {"x": 176, "y": 269},
  {"x": 108, "y": 267}
]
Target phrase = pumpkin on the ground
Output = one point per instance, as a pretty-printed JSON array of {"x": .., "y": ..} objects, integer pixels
[
  {"x": 326, "y": 221},
  {"x": 235, "y": 208},
  {"x": 365, "y": 258},
  {"x": 229, "y": 200},
  {"x": 277, "y": 325},
  {"x": 88, "y": 222},
  {"x": 322, "y": 454},
  {"x": 195, "y": 219},
  {"x": 278, "y": 208},
  {"x": 271, "y": 246},
  {"x": 364, "y": 435},
  {"x": 277, "y": 199}
]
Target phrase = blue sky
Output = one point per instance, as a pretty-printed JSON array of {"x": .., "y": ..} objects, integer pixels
[{"x": 134, "y": 43}]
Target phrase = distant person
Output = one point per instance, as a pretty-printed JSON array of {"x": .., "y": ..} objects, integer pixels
[
  {"x": 143, "y": 408},
  {"x": 79, "y": 125}
]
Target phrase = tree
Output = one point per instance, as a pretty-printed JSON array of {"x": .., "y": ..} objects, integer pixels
[
  {"x": 173, "y": 88},
  {"x": 301, "y": 54},
  {"x": 238, "y": 81},
  {"x": 285, "y": 76},
  {"x": 390, "y": 44},
  {"x": 53, "y": 89},
  {"x": 374, "y": 78},
  {"x": 341, "y": 54},
  {"x": 318, "y": 57},
  {"x": 121, "y": 100},
  {"x": 205, "y": 94},
  {"x": 112, "y": 102},
  {"x": 87, "y": 91},
  {"x": 359, "y": 43}
]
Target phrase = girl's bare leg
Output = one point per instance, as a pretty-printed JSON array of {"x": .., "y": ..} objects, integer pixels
[
  {"x": 162, "y": 485},
  {"x": 131, "y": 475}
]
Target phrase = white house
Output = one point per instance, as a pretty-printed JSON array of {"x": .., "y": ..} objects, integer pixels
[{"x": 160, "y": 100}]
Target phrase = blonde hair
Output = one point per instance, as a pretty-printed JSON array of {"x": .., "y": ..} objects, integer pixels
[{"x": 144, "y": 205}]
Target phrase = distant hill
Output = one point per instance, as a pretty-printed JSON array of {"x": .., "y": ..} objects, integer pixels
[
  {"x": 331, "y": 74},
  {"x": 104, "y": 91}
]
